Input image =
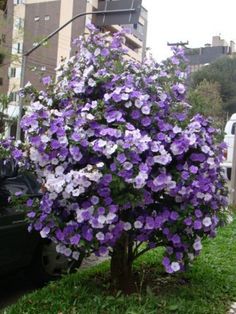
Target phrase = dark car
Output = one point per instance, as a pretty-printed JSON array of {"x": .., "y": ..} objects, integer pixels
[{"x": 18, "y": 248}]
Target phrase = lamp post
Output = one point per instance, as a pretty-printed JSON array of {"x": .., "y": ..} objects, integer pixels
[{"x": 135, "y": 6}]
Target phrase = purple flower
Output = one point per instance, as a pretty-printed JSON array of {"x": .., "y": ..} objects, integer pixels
[
  {"x": 197, "y": 157},
  {"x": 197, "y": 225},
  {"x": 46, "y": 80},
  {"x": 112, "y": 116},
  {"x": 75, "y": 239},
  {"x": 121, "y": 158}
]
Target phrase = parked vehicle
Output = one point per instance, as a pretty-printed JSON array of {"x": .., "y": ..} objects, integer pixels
[
  {"x": 230, "y": 128},
  {"x": 18, "y": 248}
]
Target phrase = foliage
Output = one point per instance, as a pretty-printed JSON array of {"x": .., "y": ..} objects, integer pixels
[
  {"x": 4, "y": 103},
  {"x": 3, "y": 5},
  {"x": 120, "y": 158},
  {"x": 222, "y": 71},
  {"x": 208, "y": 287},
  {"x": 206, "y": 100}
]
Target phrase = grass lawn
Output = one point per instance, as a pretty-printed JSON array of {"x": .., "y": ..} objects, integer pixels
[{"x": 209, "y": 287}]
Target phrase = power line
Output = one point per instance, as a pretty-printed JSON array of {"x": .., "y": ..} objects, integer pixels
[
  {"x": 179, "y": 43},
  {"x": 47, "y": 29}
]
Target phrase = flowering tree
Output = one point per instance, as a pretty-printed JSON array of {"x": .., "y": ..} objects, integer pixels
[{"x": 124, "y": 167}]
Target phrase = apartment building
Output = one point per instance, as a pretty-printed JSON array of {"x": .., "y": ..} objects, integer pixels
[
  {"x": 199, "y": 57},
  {"x": 29, "y": 21}
]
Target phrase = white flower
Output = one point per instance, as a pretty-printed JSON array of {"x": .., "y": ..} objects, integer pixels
[
  {"x": 90, "y": 117},
  {"x": 110, "y": 217},
  {"x": 36, "y": 106},
  {"x": 138, "y": 224},
  {"x": 127, "y": 226},
  {"x": 44, "y": 232},
  {"x": 191, "y": 256},
  {"x": 205, "y": 149},
  {"x": 100, "y": 236},
  {"x": 77, "y": 192},
  {"x": 97, "y": 52},
  {"x": 101, "y": 219},
  {"x": 175, "y": 266},
  {"x": 75, "y": 255},
  {"x": 146, "y": 110},
  {"x": 91, "y": 82},
  {"x": 107, "y": 97},
  {"x": 54, "y": 161},
  {"x": 59, "y": 170},
  {"x": 177, "y": 129},
  {"x": 207, "y": 221},
  {"x": 45, "y": 138},
  {"x": 197, "y": 245},
  {"x": 88, "y": 71},
  {"x": 207, "y": 197},
  {"x": 101, "y": 143},
  {"x": 100, "y": 165},
  {"x": 128, "y": 104},
  {"x": 138, "y": 103},
  {"x": 124, "y": 96}
]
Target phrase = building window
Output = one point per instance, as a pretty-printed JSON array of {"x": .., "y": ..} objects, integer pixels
[
  {"x": 18, "y": 1},
  {"x": 139, "y": 27},
  {"x": 19, "y": 23},
  {"x": 47, "y": 17},
  {"x": 3, "y": 39},
  {"x": 12, "y": 72},
  {"x": 36, "y": 18},
  {"x": 17, "y": 48},
  {"x": 1, "y": 81},
  {"x": 14, "y": 96}
]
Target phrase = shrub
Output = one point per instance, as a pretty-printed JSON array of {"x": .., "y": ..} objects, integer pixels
[{"x": 125, "y": 167}]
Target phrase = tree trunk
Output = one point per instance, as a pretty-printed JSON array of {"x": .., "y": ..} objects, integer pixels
[{"x": 121, "y": 265}]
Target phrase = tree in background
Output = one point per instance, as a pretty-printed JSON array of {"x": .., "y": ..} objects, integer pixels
[
  {"x": 125, "y": 167},
  {"x": 3, "y": 5},
  {"x": 206, "y": 99},
  {"x": 222, "y": 71}
]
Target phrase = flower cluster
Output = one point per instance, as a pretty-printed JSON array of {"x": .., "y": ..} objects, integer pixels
[
  {"x": 9, "y": 148},
  {"x": 113, "y": 144}
]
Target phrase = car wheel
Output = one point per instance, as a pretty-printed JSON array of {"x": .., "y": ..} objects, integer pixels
[{"x": 48, "y": 265}]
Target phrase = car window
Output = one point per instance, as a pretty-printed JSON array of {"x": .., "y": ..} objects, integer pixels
[{"x": 233, "y": 128}]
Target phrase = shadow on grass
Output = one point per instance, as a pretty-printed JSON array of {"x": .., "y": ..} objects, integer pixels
[{"x": 208, "y": 287}]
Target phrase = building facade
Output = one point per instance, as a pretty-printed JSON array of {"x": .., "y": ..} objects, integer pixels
[
  {"x": 29, "y": 21},
  {"x": 199, "y": 57}
]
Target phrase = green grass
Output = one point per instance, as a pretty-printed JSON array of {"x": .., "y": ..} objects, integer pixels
[{"x": 208, "y": 287}]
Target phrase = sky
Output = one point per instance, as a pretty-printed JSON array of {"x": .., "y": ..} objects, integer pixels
[{"x": 186, "y": 20}]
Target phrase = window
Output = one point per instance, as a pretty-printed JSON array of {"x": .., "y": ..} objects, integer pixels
[
  {"x": 18, "y": 72},
  {"x": 47, "y": 17},
  {"x": 12, "y": 72},
  {"x": 19, "y": 48},
  {"x": 36, "y": 18},
  {"x": 3, "y": 39},
  {"x": 14, "y": 96},
  {"x": 233, "y": 128},
  {"x": 139, "y": 27},
  {"x": 1, "y": 81},
  {"x": 19, "y": 23},
  {"x": 18, "y": 1}
]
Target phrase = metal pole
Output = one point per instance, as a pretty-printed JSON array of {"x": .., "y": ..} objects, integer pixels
[
  {"x": 233, "y": 175},
  {"x": 26, "y": 54},
  {"x": 22, "y": 77}
]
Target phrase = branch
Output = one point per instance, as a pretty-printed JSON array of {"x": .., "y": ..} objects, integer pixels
[{"x": 142, "y": 252}]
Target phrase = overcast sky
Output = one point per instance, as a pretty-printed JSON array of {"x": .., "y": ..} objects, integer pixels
[{"x": 186, "y": 20}]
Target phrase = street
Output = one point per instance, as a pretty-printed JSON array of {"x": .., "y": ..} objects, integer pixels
[{"x": 13, "y": 287}]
